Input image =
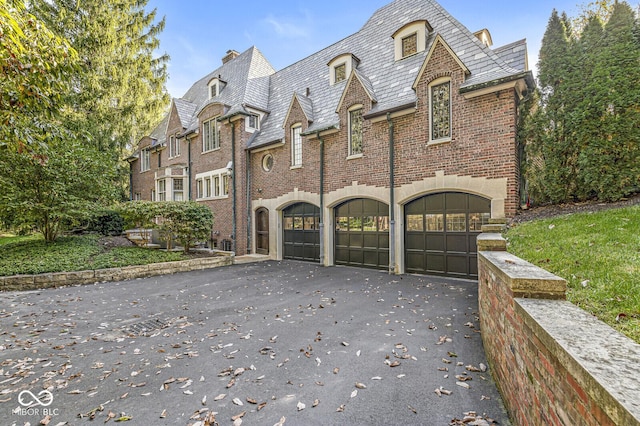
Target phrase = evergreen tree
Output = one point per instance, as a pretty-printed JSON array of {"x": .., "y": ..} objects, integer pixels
[
  {"x": 610, "y": 162},
  {"x": 120, "y": 90}
]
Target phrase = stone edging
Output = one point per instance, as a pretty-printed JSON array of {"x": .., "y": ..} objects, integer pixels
[{"x": 60, "y": 279}]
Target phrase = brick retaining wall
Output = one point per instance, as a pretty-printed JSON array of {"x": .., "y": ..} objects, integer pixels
[
  {"x": 554, "y": 363},
  {"x": 59, "y": 279}
]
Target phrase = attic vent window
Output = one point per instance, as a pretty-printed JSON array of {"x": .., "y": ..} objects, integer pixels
[
  {"x": 213, "y": 90},
  {"x": 410, "y": 45},
  {"x": 340, "y": 72}
]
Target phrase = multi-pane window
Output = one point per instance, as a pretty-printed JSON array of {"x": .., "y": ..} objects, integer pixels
[
  {"x": 145, "y": 160},
  {"x": 210, "y": 135},
  {"x": 441, "y": 111},
  {"x": 153, "y": 195},
  {"x": 162, "y": 190},
  {"x": 174, "y": 146},
  {"x": 409, "y": 45},
  {"x": 296, "y": 146},
  {"x": 213, "y": 184},
  {"x": 213, "y": 90},
  {"x": 355, "y": 131},
  {"x": 340, "y": 73},
  {"x": 178, "y": 189}
]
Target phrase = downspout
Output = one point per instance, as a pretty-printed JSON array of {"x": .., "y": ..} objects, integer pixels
[
  {"x": 248, "y": 195},
  {"x": 321, "y": 225},
  {"x": 130, "y": 181},
  {"x": 189, "y": 165},
  {"x": 392, "y": 215},
  {"x": 233, "y": 186}
]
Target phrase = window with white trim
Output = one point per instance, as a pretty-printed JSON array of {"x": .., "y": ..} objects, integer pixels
[
  {"x": 178, "y": 189},
  {"x": 214, "y": 87},
  {"x": 210, "y": 135},
  {"x": 214, "y": 184},
  {"x": 296, "y": 145},
  {"x": 410, "y": 39},
  {"x": 253, "y": 122},
  {"x": 153, "y": 195},
  {"x": 162, "y": 190},
  {"x": 355, "y": 130},
  {"x": 440, "y": 111},
  {"x": 145, "y": 160},
  {"x": 174, "y": 146}
]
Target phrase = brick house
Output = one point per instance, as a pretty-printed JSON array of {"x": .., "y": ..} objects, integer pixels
[{"x": 388, "y": 149}]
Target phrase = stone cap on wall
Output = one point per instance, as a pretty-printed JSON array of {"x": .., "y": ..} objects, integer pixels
[{"x": 523, "y": 278}]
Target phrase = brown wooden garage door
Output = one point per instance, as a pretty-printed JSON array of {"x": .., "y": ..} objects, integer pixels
[
  {"x": 362, "y": 234},
  {"x": 441, "y": 231},
  {"x": 302, "y": 232}
]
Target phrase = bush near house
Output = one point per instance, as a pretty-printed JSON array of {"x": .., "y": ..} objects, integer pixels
[
  {"x": 598, "y": 253},
  {"x": 183, "y": 222}
]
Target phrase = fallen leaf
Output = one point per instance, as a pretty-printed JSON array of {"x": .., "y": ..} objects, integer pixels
[
  {"x": 45, "y": 421},
  {"x": 315, "y": 403},
  {"x": 123, "y": 419},
  {"x": 413, "y": 409},
  {"x": 354, "y": 393},
  {"x": 361, "y": 385},
  {"x": 300, "y": 406},
  {"x": 204, "y": 400},
  {"x": 163, "y": 415},
  {"x": 340, "y": 409},
  {"x": 110, "y": 415},
  {"x": 237, "y": 401},
  {"x": 336, "y": 370},
  {"x": 220, "y": 397},
  {"x": 281, "y": 422},
  {"x": 261, "y": 405},
  {"x": 238, "y": 416},
  {"x": 463, "y": 385}
]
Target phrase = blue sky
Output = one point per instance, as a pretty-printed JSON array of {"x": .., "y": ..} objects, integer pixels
[{"x": 199, "y": 32}]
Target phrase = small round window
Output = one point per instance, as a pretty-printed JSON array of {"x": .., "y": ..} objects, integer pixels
[{"x": 267, "y": 162}]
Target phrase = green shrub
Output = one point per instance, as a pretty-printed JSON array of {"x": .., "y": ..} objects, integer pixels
[{"x": 106, "y": 222}]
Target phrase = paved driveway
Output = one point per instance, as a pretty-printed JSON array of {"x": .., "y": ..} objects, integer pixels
[{"x": 286, "y": 342}]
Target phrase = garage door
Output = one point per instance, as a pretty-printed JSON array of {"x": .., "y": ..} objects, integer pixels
[
  {"x": 302, "y": 232},
  {"x": 362, "y": 234},
  {"x": 441, "y": 231}
]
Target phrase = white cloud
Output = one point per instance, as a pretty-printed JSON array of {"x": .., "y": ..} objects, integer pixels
[{"x": 290, "y": 28}]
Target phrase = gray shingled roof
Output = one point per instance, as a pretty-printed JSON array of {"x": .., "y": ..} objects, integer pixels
[
  {"x": 389, "y": 81},
  {"x": 252, "y": 82},
  {"x": 247, "y": 84},
  {"x": 514, "y": 54}
]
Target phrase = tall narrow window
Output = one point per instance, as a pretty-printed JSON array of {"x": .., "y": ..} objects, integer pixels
[
  {"x": 225, "y": 184},
  {"x": 340, "y": 72},
  {"x": 174, "y": 146},
  {"x": 440, "y": 106},
  {"x": 253, "y": 121},
  {"x": 216, "y": 185},
  {"x": 199, "y": 188},
  {"x": 296, "y": 146},
  {"x": 210, "y": 135},
  {"x": 162, "y": 190},
  {"x": 145, "y": 160},
  {"x": 207, "y": 187},
  {"x": 355, "y": 132},
  {"x": 213, "y": 90}
]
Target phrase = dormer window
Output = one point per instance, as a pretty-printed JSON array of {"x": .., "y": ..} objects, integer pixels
[
  {"x": 411, "y": 39},
  {"x": 341, "y": 67},
  {"x": 215, "y": 87}
]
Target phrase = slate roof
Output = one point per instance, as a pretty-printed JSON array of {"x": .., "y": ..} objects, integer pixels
[
  {"x": 388, "y": 81},
  {"x": 252, "y": 82}
]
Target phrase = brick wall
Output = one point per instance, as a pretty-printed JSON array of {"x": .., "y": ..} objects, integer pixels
[{"x": 554, "y": 363}]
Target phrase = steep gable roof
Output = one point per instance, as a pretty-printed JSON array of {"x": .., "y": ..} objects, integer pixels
[{"x": 391, "y": 81}]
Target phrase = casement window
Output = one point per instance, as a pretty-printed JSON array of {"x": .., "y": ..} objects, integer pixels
[
  {"x": 178, "y": 189},
  {"x": 355, "y": 131},
  {"x": 199, "y": 188},
  {"x": 174, "y": 146},
  {"x": 411, "y": 39},
  {"x": 162, "y": 190},
  {"x": 409, "y": 45},
  {"x": 145, "y": 160},
  {"x": 440, "y": 111},
  {"x": 296, "y": 145},
  {"x": 210, "y": 135},
  {"x": 153, "y": 195},
  {"x": 341, "y": 67},
  {"x": 212, "y": 185},
  {"x": 213, "y": 88}
]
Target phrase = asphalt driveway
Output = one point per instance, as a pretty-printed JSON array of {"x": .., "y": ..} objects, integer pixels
[{"x": 267, "y": 343}]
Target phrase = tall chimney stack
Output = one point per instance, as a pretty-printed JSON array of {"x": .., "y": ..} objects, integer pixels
[{"x": 231, "y": 54}]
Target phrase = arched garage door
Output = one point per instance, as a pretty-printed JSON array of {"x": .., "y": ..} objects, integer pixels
[
  {"x": 441, "y": 231},
  {"x": 302, "y": 232},
  {"x": 362, "y": 234}
]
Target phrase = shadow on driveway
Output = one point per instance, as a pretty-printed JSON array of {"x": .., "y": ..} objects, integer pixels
[{"x": 272, "y": 340}]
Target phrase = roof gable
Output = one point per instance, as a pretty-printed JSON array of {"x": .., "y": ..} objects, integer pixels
[
  {"x": 305, "y": 104},
  {"x": 439, "y": 41},
  {"x": 364, "y": 82}
]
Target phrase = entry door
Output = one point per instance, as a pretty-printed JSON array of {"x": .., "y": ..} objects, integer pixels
[
  {"x": 441, "y": 231},
  {"x": 262, "y": 231}
]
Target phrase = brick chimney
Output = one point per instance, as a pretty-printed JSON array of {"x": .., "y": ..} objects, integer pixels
[{"x": 231, "y": 54}]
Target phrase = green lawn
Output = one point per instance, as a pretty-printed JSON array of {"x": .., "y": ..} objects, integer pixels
[
  {"x": 599, "y": 256},
  {"x": 31, "y": 255}
]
